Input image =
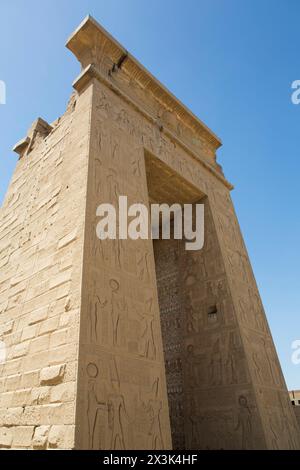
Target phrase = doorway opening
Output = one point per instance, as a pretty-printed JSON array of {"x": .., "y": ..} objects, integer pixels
[{"x": 167, "y": 186}]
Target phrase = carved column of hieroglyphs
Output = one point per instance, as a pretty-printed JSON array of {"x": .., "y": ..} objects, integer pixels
[{"x": 222, "y": 409}]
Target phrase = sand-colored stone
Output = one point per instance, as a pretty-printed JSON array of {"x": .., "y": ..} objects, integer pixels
[
  {"x": 297, "y": 413},
  {"x": 295, "y": 400},
  {"x": 108, "y": 343}
]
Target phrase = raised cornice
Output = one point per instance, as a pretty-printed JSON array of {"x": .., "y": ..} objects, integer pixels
[{"x": 92, "y": 44}]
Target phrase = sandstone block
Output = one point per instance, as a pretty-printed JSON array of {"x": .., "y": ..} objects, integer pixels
[
  {"x": 22, "y": 436},
  {"x": 40, "y": 437},
  {"x": 49, "y": 325},
  {"x": 52, "y": 375},
  {"x": 63, "y": 392},
  {"x": 38, "y": 315},
  {"x": 67, "y": 239},
  {"x": 6, "y": 438}
]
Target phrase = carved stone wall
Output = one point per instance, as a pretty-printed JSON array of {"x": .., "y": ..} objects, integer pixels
[
  {"x": 41, "y": 240},
  {"x": 297, "y": 413},
  {"x": 121, "y": 366},
  {"x": 167, "y": 254},
  {"x": 81, "y": 318},
  {"x": 207, "y": 373}
]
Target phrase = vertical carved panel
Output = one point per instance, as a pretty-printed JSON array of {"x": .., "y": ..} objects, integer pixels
[
  {"x": 122, "y": 391},
  {"x": 212, "y": 404},
  {"x": 277, "y": 417},
  {"x": 170, "y": 303}
]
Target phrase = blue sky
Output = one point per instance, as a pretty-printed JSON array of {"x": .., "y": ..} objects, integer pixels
[{"x": 232, "y": 62}]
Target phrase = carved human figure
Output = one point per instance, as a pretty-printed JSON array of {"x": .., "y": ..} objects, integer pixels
[
  {"x": 115, "y": 147},
  {"x": 257, "y": 312},
  {"x": 273, "y": 428},
  {"x": 95, "y": 406},
  {"x": 113, "y": 187},
  {"x": 236, "y": 265},
  {"x": 116, "y": 414},
  {"x": 119, "y": 309},
  {"x": 191, "y": 320},
  {"x": 97, "y": 173},
  {"x": 143, "y": 265},
  {"x": 272, "y": 363},
  {"x": 153, "y": 408},
  {"x": 147, "y": 342},
  {"x": 244, "y": 423},
  {"x": 231, "y": 362},
  {"x": 244, "y": 311},
  {"x": 136, "y": 167},
  {"x": 194, "y": 421},
  {"x": 123, "y": 119},
  {"x": 192, "y": 367},
  {"x": 216, "y": 364},
  {"x": 96, "y": 246},
  {"x": 114, "y": 192},
  {"x": 95, "y": 310},
  {"x": 256, "y": 362}
]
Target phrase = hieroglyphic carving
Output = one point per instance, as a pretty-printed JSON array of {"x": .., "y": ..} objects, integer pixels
[
  {"x": 148, "y": 136},
  {"x": 153, "y": 407},
  {"x": 288, "y": 425},
  {"x": 142, "y": 262},
  {"x": 259, "y": 349},
  {"x": 95, "y": 406},
  {"x": 116, "y": 414},
  {"x": 231, "y": 360},
  {"x": 147, "y": 346},
  {"x": 216, "y": 369},
  {"x": 244, "y": 423},
  {"x": 272, "y": 363},
  {"x": 119, "y": 310},
  {"x": 95, "y": 317},
  {"x": 205, "y": 291}
]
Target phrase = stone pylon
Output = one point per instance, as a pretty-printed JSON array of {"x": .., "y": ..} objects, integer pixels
[{"x": 129, "y": 344}]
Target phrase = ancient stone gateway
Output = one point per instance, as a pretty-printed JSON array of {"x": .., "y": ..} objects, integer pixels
[{"x": 129, "y": 344}]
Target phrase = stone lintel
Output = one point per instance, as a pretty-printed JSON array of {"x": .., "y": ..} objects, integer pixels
[
  {"x": 91, "y": 72},
  {"x": 92, "y": 44}
]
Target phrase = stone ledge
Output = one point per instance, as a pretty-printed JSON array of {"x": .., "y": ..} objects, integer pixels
[{"x": 38, "y": 131}]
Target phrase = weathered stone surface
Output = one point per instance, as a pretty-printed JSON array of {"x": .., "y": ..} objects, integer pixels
[
  {"x": 108, "y": 342},
  {"x": 297, "y": 413},
  {"x": 40, "y": 437},
  {"x": 22, "y": 436},
  {"x": 52, "y": 375},
  {"x": 60, "y": 436},
  {"x": 56, "y": 436},
  {"x": 6, "y": 437}
]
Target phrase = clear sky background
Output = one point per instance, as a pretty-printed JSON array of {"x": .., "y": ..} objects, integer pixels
[{"x": 232, "y": 62}]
